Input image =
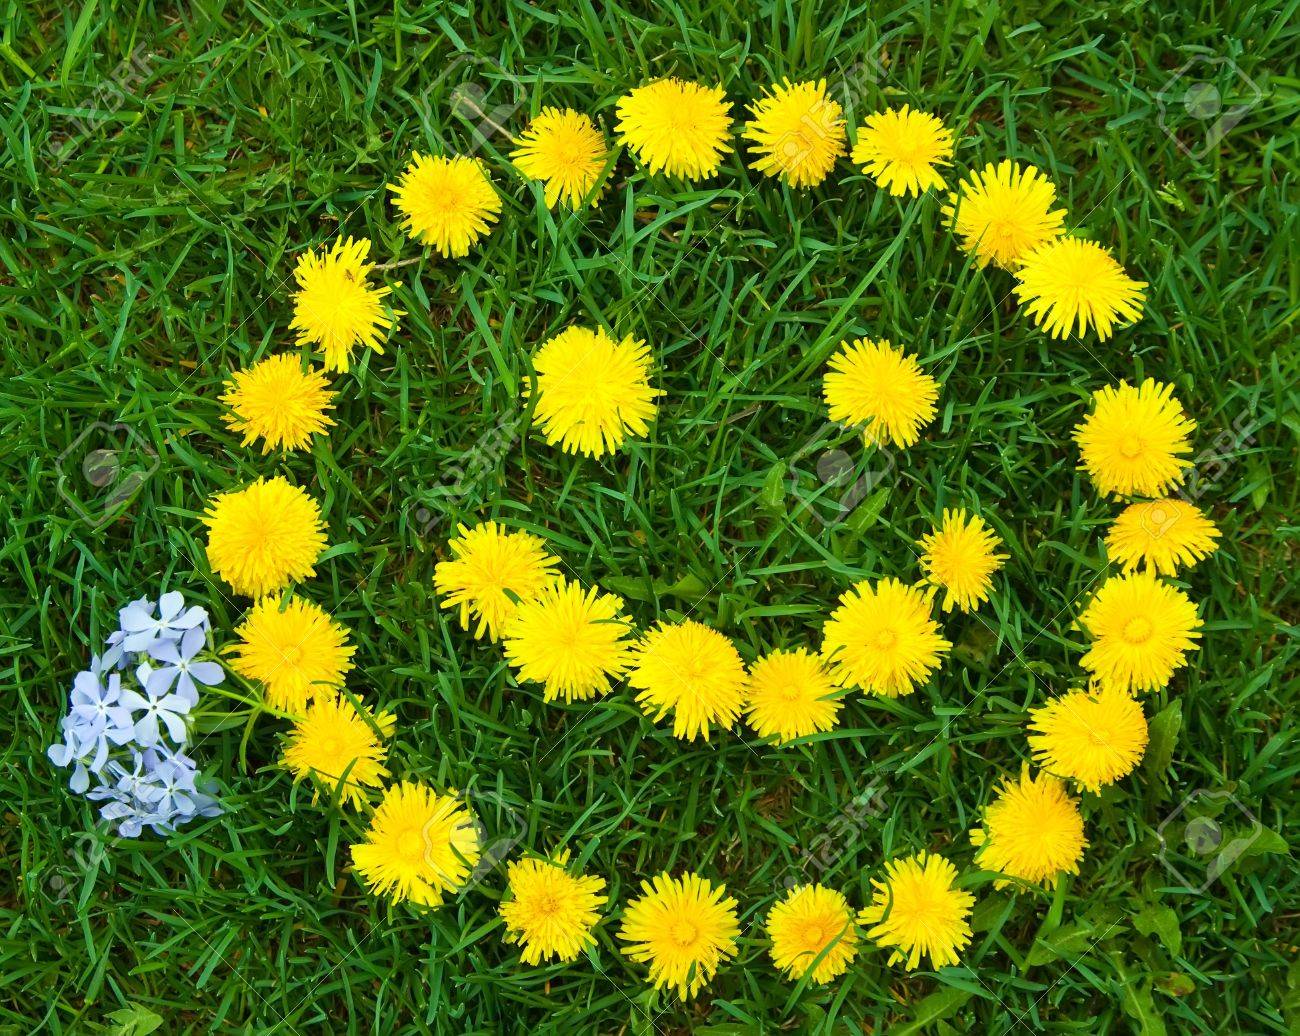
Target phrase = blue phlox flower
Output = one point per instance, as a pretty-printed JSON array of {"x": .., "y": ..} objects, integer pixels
[
  {"x": 97, "y": 706},
  {"x": 181, "y": 667},
  {"x": 127, "y": 720},
  {"x": 71, "y": 752},
  {"x": 155, "y": 709},
  {"x": 171, "y": 787},
  {"x": 142, "y": 627},
  {"x": 114, "y": 656},
  {"x": 127, "y": 814}
]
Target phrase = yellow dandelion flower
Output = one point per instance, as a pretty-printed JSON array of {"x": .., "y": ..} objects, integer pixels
[
  {"x": 812, "y": 930},
  {"x": 592, "y": 392},
  {"x": 1131, "y": 444},
  {"x": 340, "y": 746},
  {"x": 791, "y": 695},
  {"x": 683, "y": 928},
  {"x": 678, "y": 127},
  {"x": 1092, "y": 737},
  {"x": 959, "y": 559},
  {"x": 916, "y": 911},
  {"x": 882, "y": 389},
  {"x": 294, "y": 650},
  {"x": 490, "y": 571},
  {"x": 570, "y": 640},
  {"x": 883, "y": 639},
  {"x": 447, "y": 203},
  {"x": 334, "y": 306},
  {"x": 1163, "y": 535},
  {"x": 278, "y": 402},
  {"x": 899, "y": 149},
  {"x": 1069, "y": 281},
  {"x": 798, "y": 133},
  {"x": 564, "y": 149},
  {"x": 1142, "y": 629},
  {"x": 551, "y": 912},
  {"x": 1032, "y": 831},
  {"x": 1003, "y": 212},
  {"x": 420, "y": 845},
  {"x": 264, "y": 536},
  {"x": 691, "y": 671}
]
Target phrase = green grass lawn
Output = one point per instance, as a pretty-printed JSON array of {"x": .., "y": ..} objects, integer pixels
[{"x": 162, "y": 166}]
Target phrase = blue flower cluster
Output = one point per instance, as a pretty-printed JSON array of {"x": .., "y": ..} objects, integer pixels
[{"x": 127, "y": 721}]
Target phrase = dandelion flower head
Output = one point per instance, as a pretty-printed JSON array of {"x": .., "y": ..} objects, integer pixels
[
  {"x": 791, "y": 695},
  {"x": 294, "y": 650},
  {"x": 1069, "y": 282},
  {"x": 880, "y": 389},
  {"x": 446, "y": 203},
  {"x": 1032, "y": 831},
  {"x": 593, "y": 392},
  {"x": 571, "y": 640},
  {"x": 811, "y": 922},
  {"x": 1003, "y": 212},
  {"x": 1141, "y": 629},
  {"x": 1162, "y": 536},
  {"x": 1092, "y": 737},
  {"x": 684, "y": 928},
  {"x": 960, "y": 558},
  {"x": 900, "y": 149},
  {"x": 676, "y": 127},
  {"x": 335, "y": 307},
  {"x": 491, "y": 570},
  {"x": 689, "y": 671},
  {"x": 1133, "y": 442},
  {"x": 340, "y": 746},
  {"x": 917, "y": 911},
  {"x": 549, "y": 911},
  {"x": 276, "y": 401},
  {"x": 797, "y": 133},
  {"x": 565, "y": 151},
  {"x": 264, "y": 536},
  {"x": 420, "y": 846},
  {"x": 882, "y": 637}
]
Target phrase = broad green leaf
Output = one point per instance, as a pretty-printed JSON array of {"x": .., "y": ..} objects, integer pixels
[
  {"x": 1175, "y": 983},
  {"x": 1069, "y": 942},
  {"x": 634, "y": 588},
  {"x": 134, "y": 1020},
  {"x": 690, "y": 586},
  {"x": 772, "y": 498},
  {"x": 1262, "y": 841},
  {"x": 1139, "y": 1005},
  {"x": 1163, "y": 922},
  {"x": 942, "y": 1004},
  {"x": 866, "y": 513},
  {"x": 990, "y": 911},
  {"x": 1164, "y": 729}
]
